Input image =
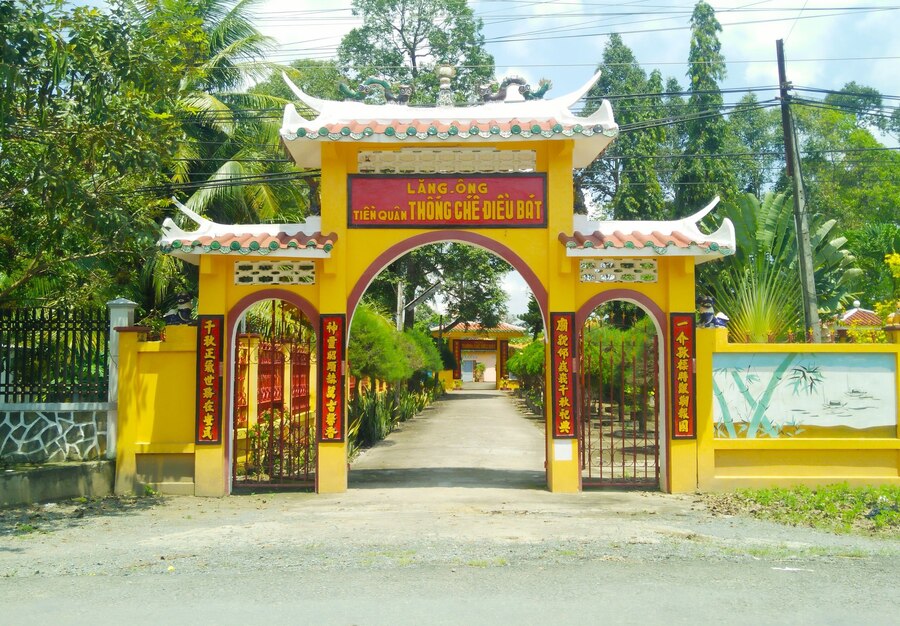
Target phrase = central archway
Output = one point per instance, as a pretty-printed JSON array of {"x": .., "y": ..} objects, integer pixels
[
  {"x": 260, "y": 422},
  {"x": 524, "y": 467},
  {"x": 459, "y": 236}
]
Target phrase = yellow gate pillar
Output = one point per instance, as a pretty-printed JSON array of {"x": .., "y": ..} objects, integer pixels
[
  {"x": 331, "y": 456},
  {"x": 682, "y": 462},
  {"x": 211, "y": 471},
  {"x": 563, "y": 467}
]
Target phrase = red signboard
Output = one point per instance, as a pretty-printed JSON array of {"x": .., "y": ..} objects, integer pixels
[
  {"x": 562, "y": 360},
  {"x": 331, "y": 378},
  {"x": 457, "y": 360},
  {"x": 209, "y": 379},
  {"x": 684, "y": 400},
  {"x": 476, "y": 201}
]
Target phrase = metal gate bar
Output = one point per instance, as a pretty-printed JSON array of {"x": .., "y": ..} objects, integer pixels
[
  {"x": 619, "y": 421},
  {"x": 273, "y": 446}
]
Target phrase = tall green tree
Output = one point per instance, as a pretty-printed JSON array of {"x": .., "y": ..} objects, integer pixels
[
  {"x": 467, "y": 279},
  {"x": 229, "y": 164},
  {"x": 848, "y": 173},
  {"x": 401, "y": 41},
  {"x": 625, "y": 179},
  {"x": 231, "y": 136},
  {"x": 88, "y": 107},
  {"x": 701, "y": 178},
  {"x": 532, "y": 318},
  {"x": 756, "y": 132}
]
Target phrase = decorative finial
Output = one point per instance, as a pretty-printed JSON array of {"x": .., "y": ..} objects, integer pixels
[{"x": 445, "y": 73}]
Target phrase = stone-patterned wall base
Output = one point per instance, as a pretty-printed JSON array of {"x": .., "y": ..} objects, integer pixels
[{"x": 33, "y": 436}]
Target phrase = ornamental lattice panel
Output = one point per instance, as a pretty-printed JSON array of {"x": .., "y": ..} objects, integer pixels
[
  {"x": 618, "y": 271},
  {"x": 274, "y": 273},
  {"x": 437, "y": 161}
]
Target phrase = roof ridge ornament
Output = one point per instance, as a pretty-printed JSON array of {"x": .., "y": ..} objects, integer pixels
[
  {"x": 377, "y": 89},
  {"x": 524, "y": 91},
  {"x": 593, "y": 238}
]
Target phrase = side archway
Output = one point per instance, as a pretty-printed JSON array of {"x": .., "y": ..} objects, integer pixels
[
  {"x": 658, "y": 316},
  {"x": 233, "y": 317}
]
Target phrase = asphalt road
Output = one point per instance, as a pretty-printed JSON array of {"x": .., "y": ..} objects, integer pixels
[{"x": 440, "y": 526}]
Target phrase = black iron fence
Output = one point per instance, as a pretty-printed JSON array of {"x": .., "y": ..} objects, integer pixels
[{"x": 53, "y": 355}]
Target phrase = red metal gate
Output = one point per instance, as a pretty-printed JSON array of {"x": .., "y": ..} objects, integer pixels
[
  {"x": 619, "y": 408},
  {"x": 274, "y": 431}
]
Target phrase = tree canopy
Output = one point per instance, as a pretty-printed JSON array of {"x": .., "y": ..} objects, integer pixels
[
  {"x": 402, "y": 42},
  {"x": 89, "y": 115}
]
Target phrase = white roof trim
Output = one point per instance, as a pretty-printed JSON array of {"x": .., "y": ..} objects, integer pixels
[
  {"x": 723, "y": 237},
  {"x": 171, "y": 232},
  {"x": 332, "y": 112},
  {"x": 208, "y": 228}
]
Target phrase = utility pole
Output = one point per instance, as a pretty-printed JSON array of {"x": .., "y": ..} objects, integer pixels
[
  {"x": 401, "y": 306},
  {"x": 801, "y": 223}
]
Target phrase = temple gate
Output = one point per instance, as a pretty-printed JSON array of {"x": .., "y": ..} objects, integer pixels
[{"x": 496, "y": 175}]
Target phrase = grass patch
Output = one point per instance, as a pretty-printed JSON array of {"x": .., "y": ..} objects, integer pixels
[
  {"x": 483, "y": 563},
  {"x": 837, "y": 508},
  {"x": 25, "y": 529},
  {"x": 782, "y": 552}
]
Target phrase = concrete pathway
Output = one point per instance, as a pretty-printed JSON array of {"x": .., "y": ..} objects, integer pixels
[{"x": 471, "y": 438}]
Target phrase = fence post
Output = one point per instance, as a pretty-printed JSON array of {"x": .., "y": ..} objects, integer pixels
[{"x": 121, "y": 313}]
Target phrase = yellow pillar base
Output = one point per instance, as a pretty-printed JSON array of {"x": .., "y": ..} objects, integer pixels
[
  {"x": 563, "y": 471},
  {"x": 210, "y": 473},
  {"x": 331, "y": 472},
  {"x": 683, "y": 466}
]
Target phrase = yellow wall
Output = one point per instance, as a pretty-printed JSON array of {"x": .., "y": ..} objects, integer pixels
[
  {"x": 157, "y": 412},
  {"x": 731, "y": 463},
  {"x": 446, "y": 378}
]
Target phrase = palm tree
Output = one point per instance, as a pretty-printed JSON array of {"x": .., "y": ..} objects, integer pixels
[
  {"x": 230, "y": 134},
  {"x": 229, "y": 163}
]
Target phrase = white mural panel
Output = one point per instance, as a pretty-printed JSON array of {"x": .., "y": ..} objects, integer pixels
[{"x": 804, "y": 395}]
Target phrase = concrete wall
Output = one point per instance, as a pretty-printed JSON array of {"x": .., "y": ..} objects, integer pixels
[
  {"x": 56, "y": 482},
  {"x": 42, "y": 433},
  {"x": 157, "y": 413}
]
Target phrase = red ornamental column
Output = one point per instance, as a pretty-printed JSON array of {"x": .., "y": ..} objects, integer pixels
[
  {"x": 501, "y": 361},
  {"x": 331, "y": 378},
  {"x": 457, "y": 358}
]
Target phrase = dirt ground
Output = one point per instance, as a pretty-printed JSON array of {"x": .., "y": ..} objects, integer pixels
[{"x": 434, "y": 543}]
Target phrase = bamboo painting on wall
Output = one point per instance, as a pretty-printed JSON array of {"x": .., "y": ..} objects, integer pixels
[{"x": 804, "y": 395}]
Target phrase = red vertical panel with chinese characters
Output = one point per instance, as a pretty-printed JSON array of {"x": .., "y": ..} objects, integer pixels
[
  {"x": 457, "y": 360},
  {"x": 681, "y": 364},
  {"x": 331, "y": 378},
  {"x": 562, "y": 360},
  {"x": 209, "y": 379}
]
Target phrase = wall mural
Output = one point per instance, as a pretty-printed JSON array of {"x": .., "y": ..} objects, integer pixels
[{"x": 804, "y": 395}]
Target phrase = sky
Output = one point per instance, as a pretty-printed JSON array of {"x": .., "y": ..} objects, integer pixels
[{"x": 828, "y": 43}]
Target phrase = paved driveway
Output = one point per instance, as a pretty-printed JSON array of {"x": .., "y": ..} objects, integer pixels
[{"x": 473, "y": 438}]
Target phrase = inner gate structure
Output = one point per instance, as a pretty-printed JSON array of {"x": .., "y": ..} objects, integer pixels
[{"x": 393, "y": 178}]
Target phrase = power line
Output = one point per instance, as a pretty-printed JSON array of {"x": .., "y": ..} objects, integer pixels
[{"x": 844, "y": 93}]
